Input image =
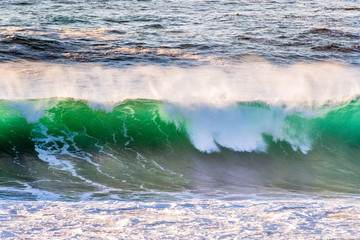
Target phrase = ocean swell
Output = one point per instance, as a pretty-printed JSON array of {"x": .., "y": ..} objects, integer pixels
[
  {"x": 241, "y": 127},
  {"x": 94, "y": 132}
]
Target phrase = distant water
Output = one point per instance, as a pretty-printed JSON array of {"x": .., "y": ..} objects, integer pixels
[{"x": 182, "y": 33}]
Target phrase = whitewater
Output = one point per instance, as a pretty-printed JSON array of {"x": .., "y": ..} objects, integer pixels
[{"x": 179, "y": 119}]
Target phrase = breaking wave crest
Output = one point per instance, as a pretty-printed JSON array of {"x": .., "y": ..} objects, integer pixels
[
  {"x": 229, "y": 124},
  {"x": 242, "y": 127},
  {"x": 255, "y": 80}
]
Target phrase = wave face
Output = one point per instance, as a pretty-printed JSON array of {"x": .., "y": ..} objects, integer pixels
[
  {"x": 71, "y": 149},
  {"x": 88, "y": 131}
]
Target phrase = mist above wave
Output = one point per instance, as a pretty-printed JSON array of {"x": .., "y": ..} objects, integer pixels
[{"x": 302, "y": 83}]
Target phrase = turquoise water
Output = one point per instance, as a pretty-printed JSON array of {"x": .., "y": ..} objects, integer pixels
[{"x": 139, "y": 148}]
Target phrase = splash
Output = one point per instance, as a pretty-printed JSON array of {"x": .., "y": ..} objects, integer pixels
[{"x": 299, "y": 84}]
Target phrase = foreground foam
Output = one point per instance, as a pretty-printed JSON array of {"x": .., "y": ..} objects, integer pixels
[{"x": 210, "y": 219}]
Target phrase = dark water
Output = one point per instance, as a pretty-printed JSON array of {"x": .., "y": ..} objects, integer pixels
[
  {"x": 122, "y": 33},
  {"x": 163, "y": 99}
]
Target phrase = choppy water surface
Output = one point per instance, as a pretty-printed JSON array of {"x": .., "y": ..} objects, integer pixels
[{"x": 179, "y": 32}]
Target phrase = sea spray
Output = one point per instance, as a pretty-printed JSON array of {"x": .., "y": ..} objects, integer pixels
[{"x": 312, "y": 83}]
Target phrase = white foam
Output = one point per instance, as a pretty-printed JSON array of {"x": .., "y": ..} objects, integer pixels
[
  {"x": 248, "y": 81},
  {"x": 107, "y": 107},
  {"x": 237, "y": 127},
  {"x": 294, "y": 218},
  {"x": 28, "y": 189},
  {"x": 33, "y": 111},
  {"x": 50, "y": 152}
]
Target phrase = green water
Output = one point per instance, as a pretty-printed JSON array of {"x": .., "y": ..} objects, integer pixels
[{"x": 140, "y": 147}]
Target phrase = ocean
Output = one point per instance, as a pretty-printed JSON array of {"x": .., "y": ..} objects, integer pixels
[{"x": 199, "y": 119}]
